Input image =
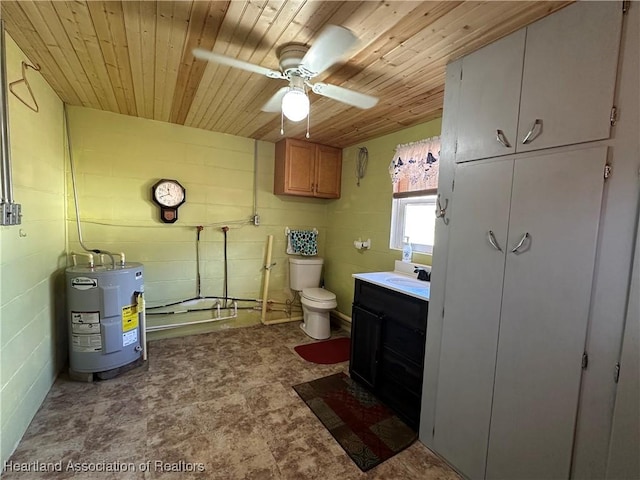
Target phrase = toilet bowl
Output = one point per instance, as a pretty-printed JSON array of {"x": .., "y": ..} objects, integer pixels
[
  {"x": 304, "y": 278},
  {"x": 316, "y": 305}
]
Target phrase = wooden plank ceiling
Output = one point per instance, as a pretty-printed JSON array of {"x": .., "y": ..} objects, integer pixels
[{"x": 135, "y": 57}]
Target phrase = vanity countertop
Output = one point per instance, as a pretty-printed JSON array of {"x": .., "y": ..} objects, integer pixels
[{"x": 402, "y": 280}]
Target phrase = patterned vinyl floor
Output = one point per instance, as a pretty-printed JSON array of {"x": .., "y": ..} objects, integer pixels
[{"x": 212, "y": 406}]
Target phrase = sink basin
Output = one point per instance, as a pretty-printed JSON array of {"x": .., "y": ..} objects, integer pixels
[{"x": 407, "y": 282}]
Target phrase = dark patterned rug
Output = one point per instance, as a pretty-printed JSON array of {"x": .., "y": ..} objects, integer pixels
[{"x": 368, "y": 431}]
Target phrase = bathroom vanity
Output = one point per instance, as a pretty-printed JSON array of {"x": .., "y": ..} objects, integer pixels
[{"x": 388, "y": 327}]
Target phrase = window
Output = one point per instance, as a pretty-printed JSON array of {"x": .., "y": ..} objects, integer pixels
[
  {"x": 414, "y": 174},
  {"x": 414, "y": 217}
]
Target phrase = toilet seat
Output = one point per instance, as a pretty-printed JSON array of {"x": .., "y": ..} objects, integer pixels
[
  {"x": 318, "y": 298},
  {"x": 318, "y": 294}
]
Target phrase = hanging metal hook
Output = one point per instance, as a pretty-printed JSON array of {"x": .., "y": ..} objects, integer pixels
[
  {"x": 24, "y": 80},
  {"x": 442, "y": 211}
]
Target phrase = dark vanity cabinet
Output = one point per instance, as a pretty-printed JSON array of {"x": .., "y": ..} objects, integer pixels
[
  {"x": 365, "y": 344},
  {"x": 387, "y": 347}
]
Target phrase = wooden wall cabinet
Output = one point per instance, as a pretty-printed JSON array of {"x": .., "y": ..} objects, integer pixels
[
  {"x": 307, "y": 169},
  {"x": 387, "y": 347}
]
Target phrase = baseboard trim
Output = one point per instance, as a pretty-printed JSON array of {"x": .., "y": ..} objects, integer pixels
[{"x": 342, "y": 320}]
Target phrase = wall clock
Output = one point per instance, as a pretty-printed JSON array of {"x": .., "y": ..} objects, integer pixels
[{"x": 169, "y": 195}]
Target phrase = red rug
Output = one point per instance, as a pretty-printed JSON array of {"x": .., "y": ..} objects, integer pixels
[
  {"x": 366, "y": 429},
  {"x": 335, "y": 350}
]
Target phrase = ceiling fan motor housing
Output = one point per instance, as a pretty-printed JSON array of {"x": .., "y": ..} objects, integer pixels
[{"x": 290, "y": 57}]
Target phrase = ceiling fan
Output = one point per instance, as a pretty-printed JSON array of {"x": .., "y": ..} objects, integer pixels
[{"x": 299, "y": 64}]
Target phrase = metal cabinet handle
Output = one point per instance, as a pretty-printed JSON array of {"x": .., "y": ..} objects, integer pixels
[
  {"x": 502, "y": 139},
  {"x": 529, "y": 135},
  {"x": 524, "y": 238},
  {"x": 492, "y": 241},
  {"x": 442, "y": 211}
]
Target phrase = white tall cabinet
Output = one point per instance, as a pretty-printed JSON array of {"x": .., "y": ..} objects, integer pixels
[
  {"x": 521, "y": 258},
  {"x": 548, "y": 85},
  {"x": 518, "y": 343},
  {"x": 555, "y": 210}
]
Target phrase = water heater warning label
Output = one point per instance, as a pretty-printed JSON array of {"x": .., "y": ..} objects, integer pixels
[
  {"x": 129, "y": 337},
  {"x": 86, "y": 343},
  {"x": 129, "y": 318},
  {"x": 85, "y": 322},
  {"x": 85, "y": 332}
]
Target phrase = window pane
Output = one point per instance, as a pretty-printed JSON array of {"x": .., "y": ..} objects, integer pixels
[
  {"x": 414, "y": 217},
  {"x": 419, "y": 223}
]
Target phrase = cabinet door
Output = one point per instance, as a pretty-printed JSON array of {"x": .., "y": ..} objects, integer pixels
[
  {"x": 489, "y": 97},
  {"x": 404, "y": 340},
  {"x": 365, "y": 345},
  {"x": 623, "y": 461},
  {"x": 569, "y": 77},
  {"x": 556, "y": 200},
  {"x": 295, "y": 167},
  {"x": 399, "y": 385},
  {"x": 328, "y": 172},
  {"x": 473, "y": 293}
]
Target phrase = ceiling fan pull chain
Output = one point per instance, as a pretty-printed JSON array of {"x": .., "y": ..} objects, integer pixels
[
  {"x": 308, "y": 115},
  {"x": 281, "y": 122}
]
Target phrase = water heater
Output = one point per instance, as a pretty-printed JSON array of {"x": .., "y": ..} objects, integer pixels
[{"x": 104, "y": 324}]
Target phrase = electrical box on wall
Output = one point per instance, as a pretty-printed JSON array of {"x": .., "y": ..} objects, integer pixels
[{"x": 11, "y": 214}]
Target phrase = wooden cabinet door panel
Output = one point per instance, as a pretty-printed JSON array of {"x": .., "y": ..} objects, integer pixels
[
  {"x": 307, "y": 169},
  {"x": 473, "y": 294},
  {"x": 547, "y": 289},
  {"x": 569, "y": 76},
  {"x": 328, "y": 172},
  {"x": 300, "y": 169},
  {"x": 489, "y": 97}
]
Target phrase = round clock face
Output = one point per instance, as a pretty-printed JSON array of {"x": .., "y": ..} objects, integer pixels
[{"x": 169, "y": 193}]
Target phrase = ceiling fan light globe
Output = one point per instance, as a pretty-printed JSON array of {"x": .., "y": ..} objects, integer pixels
[{"x": 295, "y": 105}]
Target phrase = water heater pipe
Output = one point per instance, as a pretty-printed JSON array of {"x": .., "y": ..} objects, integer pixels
[
  {"x": 75, "y": 193},
  {"x": 89, "y": 256},
  {"x": 143, "y": 323},
  {"x": 267, "y": 273},
  {"x": 225, "y": 229},
  {"x": 284, "y": 320},
  {"x": 255, "y": 180},
  {"x": 197, "y": 322}
]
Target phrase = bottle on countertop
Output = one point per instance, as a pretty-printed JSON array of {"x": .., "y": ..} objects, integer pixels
[{"x": 406, "y": 250}]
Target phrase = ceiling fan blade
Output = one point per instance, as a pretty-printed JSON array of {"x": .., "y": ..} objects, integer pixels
[
  {"x": 344, "y": 95},
  {"x": 234, "y": 62},
  {"x": 274, "y": 104},
  {"x": 330, "y": 46}
]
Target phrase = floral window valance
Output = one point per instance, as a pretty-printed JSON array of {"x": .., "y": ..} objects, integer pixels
[{"x": 414, "y": 167}]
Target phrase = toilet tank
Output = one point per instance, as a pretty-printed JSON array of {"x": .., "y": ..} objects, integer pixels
[{"x": 304, "y": 272}]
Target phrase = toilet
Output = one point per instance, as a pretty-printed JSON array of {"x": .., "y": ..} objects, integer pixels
[{"x": 304, "y": 277}]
